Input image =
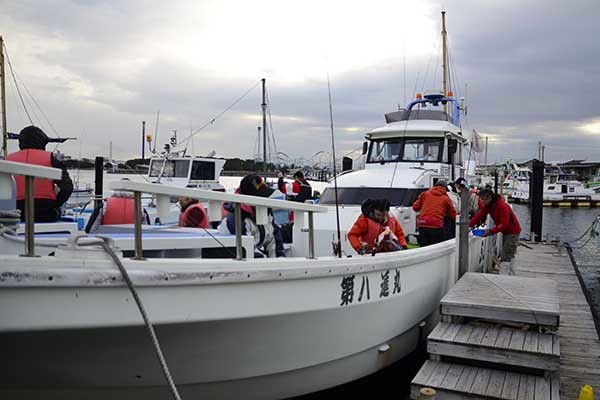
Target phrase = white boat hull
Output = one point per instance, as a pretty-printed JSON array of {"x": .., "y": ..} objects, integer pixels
[{"x": 228, "y": 330}]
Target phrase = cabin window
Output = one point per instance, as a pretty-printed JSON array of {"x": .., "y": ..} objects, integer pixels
[
  {"x": 356, "y": 196},
  {"x": 406, "y": 149},
  {"x": 551, "y": 187},
  {"x": 172, "y": 168},
  {"x": 203, "y": 171}
]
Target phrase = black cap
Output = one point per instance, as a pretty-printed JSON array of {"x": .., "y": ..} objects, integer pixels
[
  {"x": 32, "y": 137},
  {"x": 461, "y": 182}
]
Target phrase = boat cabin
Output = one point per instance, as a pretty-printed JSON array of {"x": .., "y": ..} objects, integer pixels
[{"x": 190, "y": 172}]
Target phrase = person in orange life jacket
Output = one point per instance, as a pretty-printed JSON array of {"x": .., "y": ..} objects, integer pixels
[
  {"x": 49, "y": 195},
  {"x": 267, "y": 238},
  {"x": 504, "y": 218},
  {"x": 376, "y": 230},
  {"x": 301, "y": 189},
  {"x": 434, "y": 205},
  {"x": 193, "y": 214}
]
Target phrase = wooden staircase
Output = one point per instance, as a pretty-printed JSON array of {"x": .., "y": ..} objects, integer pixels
[{"x": 496, "y": 340}]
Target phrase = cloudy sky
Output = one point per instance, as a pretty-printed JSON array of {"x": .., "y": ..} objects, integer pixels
[{"x": 530, "y": 71}]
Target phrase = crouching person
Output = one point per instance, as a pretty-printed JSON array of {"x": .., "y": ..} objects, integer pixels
[
  {"x": 193, "y": 214},
  {"x": 375, "y": 230}
]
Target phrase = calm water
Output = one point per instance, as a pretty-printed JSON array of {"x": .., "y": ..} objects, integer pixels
[{"x": 565, "y": 224}]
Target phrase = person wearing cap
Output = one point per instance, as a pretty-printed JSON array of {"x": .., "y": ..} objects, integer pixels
[
  {"x": 434, "y": 205},
  {"x": 49, "y": 195},
  {"x": 460, "y": 185},
  {"x": 505, "y": 221}
]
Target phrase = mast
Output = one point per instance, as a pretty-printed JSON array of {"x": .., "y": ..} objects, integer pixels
[
  {"x": 264, "y": 124},
  {"x": 444, "y": 59},
  {"x": 3, "y": 95},
  {"x": 143, "y": 139}
]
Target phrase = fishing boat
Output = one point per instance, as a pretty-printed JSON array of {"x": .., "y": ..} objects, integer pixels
[{"x": 80, "y": 319}]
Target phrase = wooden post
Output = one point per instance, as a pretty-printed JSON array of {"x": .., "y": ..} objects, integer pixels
[
  {"x": 238, "y": 232},
  {"x": 463, "y": 233},
  {"x": 29, "y": 217}
]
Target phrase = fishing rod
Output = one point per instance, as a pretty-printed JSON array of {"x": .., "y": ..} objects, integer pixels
[{"x": 337, "y": 247}]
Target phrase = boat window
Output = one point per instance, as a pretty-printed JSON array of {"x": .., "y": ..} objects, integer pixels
[
  {"x": 385, "y": 150},
  {"x": 203, "y": 171},
  {"x": 356, "y": 196},
  {"x": 172, "y": 168},
  {"x": 406, "y": 149},
  {"x": 423, "y": 149},
  {"x": 550, "y": 187}
]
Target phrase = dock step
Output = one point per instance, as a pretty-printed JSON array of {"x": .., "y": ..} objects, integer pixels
[
  {"x": 456, "y": 381},
  {"x": 503, "y": 298},
  {"x": 497, "y": 344}
]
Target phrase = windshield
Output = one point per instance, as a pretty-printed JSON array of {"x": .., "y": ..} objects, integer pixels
[
  {"x": 397, "y": 196},
  {"x": 406, "y": 149},
  {"x": 173, "y": 168}
]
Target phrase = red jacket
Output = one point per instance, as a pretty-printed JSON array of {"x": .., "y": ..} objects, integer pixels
[
  {"x": 434, "y": 205},
  {"x": 366, "y": 230},
  {"x": 43, "y": 188},
  {"x": 505, "y": 219}
]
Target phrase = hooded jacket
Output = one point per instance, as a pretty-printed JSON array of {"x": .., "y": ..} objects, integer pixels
[
  {"x": 434, "y": 205},
  {"x": 504, "y": 217}
]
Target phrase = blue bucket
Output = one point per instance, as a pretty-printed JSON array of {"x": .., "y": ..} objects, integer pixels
[{"x": 478, "y": 232}]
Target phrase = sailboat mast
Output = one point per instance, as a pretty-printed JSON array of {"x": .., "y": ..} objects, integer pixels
[
  {"x": 3, "y": 94},
  {"x": 264, "y": 123},
  {"x": 444, "y": 58}
]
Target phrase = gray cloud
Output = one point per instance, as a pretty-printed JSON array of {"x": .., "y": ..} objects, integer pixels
[{"x": 98, "y": 69}]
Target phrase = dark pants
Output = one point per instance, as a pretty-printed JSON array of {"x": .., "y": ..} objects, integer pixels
[
  {"x": 45, "y": 210},
  {"x": 429, "y": 236}
]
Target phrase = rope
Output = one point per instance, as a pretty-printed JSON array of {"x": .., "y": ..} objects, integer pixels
[
  {"x": 16, "y": 85},
  {"x": 103, "y": 242},
  {"x": 213, "y": 120}
]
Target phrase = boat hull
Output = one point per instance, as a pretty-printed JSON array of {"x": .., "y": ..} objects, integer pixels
[{"x": 274, "y": 336}]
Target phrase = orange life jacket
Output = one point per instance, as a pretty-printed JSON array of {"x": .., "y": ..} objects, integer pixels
[
  {"x": 185, "y": 220},
  {"x": 118, "y": 211},
  {"x": 374, "y": 229},
  {"x": 44, "y": 188}
]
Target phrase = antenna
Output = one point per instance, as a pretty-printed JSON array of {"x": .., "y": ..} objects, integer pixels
[{"x": 337, "y": 247}]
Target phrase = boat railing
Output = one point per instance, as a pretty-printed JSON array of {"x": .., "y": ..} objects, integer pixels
[
  {"x": 29, "y": 172},
  {"x": 215, "y": 199}
]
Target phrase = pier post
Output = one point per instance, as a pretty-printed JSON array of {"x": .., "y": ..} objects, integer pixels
[
  {"x": 99, "y": 183},
  {"x": 463, "y": 233},
  {"x": 536, "y": 194}
]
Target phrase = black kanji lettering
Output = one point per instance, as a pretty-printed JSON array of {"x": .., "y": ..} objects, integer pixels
[
  {"x": 365, "y": 283},
  {"x": 385, "y": 284},
  {"x": 397, "y": 285},
  {"x": 347, "y": 290}
]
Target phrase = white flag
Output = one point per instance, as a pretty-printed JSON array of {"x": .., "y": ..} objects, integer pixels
[{"x": 476, "y": 142}]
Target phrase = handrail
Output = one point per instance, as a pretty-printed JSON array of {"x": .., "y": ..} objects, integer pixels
[
  {"x": 163, "y": 192},
  {"x": 29, "y": 171}
]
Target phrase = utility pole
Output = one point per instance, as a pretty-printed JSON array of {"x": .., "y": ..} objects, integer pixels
[
  {"x": 543, "y": 149},
  {"x": 264, "y": 123},
  {"x": 3, "y": 94},
  {"x": 539, "y": 150}
]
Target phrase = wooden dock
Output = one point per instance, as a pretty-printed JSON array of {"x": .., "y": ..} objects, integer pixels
[{"x": 530, "y": 336}]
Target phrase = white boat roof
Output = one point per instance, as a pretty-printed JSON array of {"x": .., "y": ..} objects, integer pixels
[{"x": 419, "y": 128}]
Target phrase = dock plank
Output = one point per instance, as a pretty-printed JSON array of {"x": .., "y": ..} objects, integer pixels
[{"x": 495, "y": 384}]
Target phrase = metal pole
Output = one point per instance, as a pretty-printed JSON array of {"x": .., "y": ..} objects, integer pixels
[
  {"x": 29, "y": 217},
  {"x": 143, "y": 139},
  {"x": 238, "y": 232},
  {"x": 444, "y": 59},
  {"x": 463, "y": 233},
  {"x": 486, "y": 147},
  {"x": 536, "y": 195},
  {"x": 3, "y": 94},
  {"x": 311, "y": 236},
  {"x": 137, "y": 202},
  {"x": 495, "y": 181},
  {"x": 99, "y": 184},
  {"x": 264, "y": 123}
]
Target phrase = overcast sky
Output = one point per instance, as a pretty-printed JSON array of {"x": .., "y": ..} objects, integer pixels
[{"x": 531, "y": 70}]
